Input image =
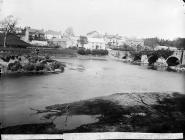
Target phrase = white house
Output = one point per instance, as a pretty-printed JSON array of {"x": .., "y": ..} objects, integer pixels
[
  {"x": 95, "y": 43},
  {"x": 49, "y": 34},
  {"x": 114, "y": 40}
]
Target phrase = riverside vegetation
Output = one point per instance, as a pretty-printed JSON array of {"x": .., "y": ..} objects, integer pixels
[
  {"x": 99, "y": 52},
  {"x": 29, "y": 64}
]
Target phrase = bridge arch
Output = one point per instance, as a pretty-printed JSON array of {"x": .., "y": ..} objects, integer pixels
[
  {"x": 152, "y": 59},
  {"x": 137, "y": 57},
  {"x": 172, "y": 61}
]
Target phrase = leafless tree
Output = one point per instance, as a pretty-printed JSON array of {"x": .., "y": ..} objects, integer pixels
[
  {"x": 69, "y": 32},
  {"x": 8, "y": 25}
]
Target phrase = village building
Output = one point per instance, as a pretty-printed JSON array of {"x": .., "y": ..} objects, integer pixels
[
  {"x": 49, "y": 34},
  {"x": 95, "y": 40},
  {"x": 113, "y": 40},
  {"x": 57, "y": 43},
  {"x": 95, "y": 43},
  {"x": 34, "y": 36},
  {"x": 63, "y": 42},
  {"x": 82, "y": 42}
]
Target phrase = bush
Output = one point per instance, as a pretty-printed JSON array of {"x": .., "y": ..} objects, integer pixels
[
  {"x": 88, "y": 51},
  {"x": 93, "y": 52},
  {"x": 81, "y": 52},
  {"x": 14, "y": 66},
  {"x": 73, "y": 48},
  {"x": 29, "y": 67},
  {"x": 99, "y": 52},
  {"x": 56, "y": 65},
  {"x": 39, "y": 66}
]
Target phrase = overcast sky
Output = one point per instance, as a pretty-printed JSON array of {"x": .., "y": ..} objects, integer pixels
[{"x": 133, "y": 18}]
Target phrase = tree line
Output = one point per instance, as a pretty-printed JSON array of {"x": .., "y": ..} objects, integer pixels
[{"x": 152, "y": 42}]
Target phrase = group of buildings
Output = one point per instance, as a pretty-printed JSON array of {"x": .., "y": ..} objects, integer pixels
[{"x": 92, "y": 40}]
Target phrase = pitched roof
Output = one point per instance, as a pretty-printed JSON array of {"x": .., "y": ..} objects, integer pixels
[
  {"x": 92, "y": 32},
  {"x": 35, "y": 30},
  {"x": 12, "y": 41},
  {"x": 112, "y": 36},
  {"x": 52, "y": 32},
  {"x": 95, "y": 40},
  {"x": 95, "y": 34}
]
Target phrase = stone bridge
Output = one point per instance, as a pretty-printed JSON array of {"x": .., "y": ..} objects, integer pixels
[{"x": 178, "y": 57}]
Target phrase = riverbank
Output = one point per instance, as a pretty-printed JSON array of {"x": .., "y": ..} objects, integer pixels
[
  {"x": 42, "y": 51},
  {"x": 128, "y": 112}
]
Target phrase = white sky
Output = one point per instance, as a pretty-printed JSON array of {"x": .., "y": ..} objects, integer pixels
[{"x": 139, "y": 18}]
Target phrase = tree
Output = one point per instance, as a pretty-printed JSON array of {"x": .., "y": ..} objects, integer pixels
[
  {"x": 83, "y": 40},
  {"x": 8, "y": 25},
  {"x": 179, "y": 43},
  {"x": 151, "y": 42},
  {"x": 69, "y": 32}
]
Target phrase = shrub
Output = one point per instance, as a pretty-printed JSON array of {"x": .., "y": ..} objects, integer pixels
[
  {"x": 14, "y": 66},
  {"x": 56, "y": 65},
  {"x": 73, "y": 48},
  {"x": 99, "y": 52},
  {"x": 29, "y": 67},
  {"x": 81, "y": 52},
  {"x": 88, "y": 51},
  {"x": 39, "y": 66},
  {"x": 93, "y": 52}
]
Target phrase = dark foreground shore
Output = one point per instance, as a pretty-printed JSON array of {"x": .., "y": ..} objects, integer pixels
[{"x": 122, "y": 112}]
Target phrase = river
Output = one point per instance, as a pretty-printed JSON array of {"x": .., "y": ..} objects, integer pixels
[{"x": 82, "y": 79}]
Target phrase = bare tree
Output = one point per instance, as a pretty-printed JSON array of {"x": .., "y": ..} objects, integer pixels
[
  {"x": 69, "y": 32},
  {"x": 8, "y": 25}
]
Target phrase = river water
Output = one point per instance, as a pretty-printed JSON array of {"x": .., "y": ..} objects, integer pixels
[{"x": 82, "y": 79}]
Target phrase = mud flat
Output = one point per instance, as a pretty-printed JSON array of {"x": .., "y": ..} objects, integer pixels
[{"x": 123, "y": 112}]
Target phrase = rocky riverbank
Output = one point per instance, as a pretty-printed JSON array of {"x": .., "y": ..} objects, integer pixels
[{"x": 128, "y": 112}]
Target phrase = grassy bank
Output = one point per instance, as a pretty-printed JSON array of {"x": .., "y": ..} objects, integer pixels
[
  {"x": 42, "y": 51},
  {"x": 128, "y": 112}
]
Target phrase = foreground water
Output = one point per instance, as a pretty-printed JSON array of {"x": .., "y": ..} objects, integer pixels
[{"x": 82, "y": 79}]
